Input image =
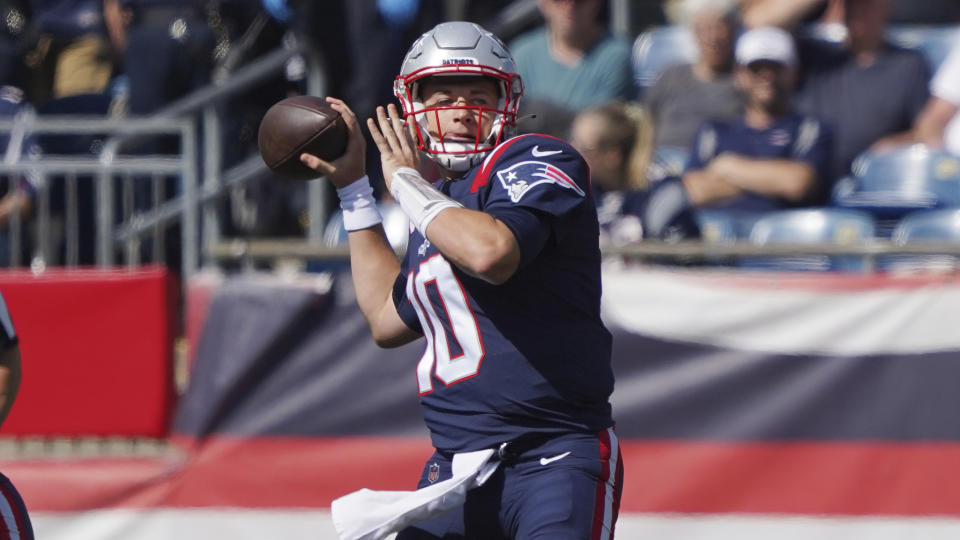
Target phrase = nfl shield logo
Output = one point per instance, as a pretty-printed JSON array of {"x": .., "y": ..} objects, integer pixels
[{"x": 434, "y": 473}]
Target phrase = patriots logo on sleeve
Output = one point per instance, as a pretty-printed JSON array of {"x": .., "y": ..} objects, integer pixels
[{"x": 520, "y": 178}]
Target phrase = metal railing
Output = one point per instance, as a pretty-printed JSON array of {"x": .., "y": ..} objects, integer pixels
[
  {"x": 64, "y": 174},
  {"x": 196, "y": 172}
]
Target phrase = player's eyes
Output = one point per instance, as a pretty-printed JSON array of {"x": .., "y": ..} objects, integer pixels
[{"x": 449, "y": 102}]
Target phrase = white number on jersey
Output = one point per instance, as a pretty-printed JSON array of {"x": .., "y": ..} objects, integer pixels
[{"x": 454, "y": 347}]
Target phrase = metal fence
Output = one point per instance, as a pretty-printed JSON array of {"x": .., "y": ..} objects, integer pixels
[
  {"x": 128, "y": 202},
  {"x": 76, "y": 193}
]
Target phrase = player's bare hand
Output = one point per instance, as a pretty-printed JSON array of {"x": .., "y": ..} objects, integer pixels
[
  {"x": 394, "y": 139},
  {"x": 351, "y": 165}
]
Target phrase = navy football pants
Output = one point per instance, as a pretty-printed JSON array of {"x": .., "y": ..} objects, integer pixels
[
  {"x": 14, "y": 521},
  {"x": 568, "y": 488}
]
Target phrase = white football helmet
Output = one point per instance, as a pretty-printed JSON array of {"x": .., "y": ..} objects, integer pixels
[{"x": 459, "y": 48}]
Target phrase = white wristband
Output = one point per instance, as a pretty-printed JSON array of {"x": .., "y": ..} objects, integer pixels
[
  {"x": 418, "y": 199},
  {"x": 358, "y": 205}
]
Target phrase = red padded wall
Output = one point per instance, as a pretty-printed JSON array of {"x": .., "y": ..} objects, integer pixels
[{"x": 96, "y": 348}]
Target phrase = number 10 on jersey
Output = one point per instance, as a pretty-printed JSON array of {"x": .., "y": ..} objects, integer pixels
[{"x": 454, "y": 347}]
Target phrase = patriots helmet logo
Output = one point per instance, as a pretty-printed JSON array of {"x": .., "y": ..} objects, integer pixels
[
  {"x": 434, "y": 474},
  {"x": 520, "y": 178}
]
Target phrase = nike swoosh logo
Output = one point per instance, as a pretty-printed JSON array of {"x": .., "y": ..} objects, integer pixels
[
  {"x": 541, "y": 153},
  {"x": 547, "y": 461}
]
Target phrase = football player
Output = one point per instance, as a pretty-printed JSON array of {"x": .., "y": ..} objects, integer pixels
[
  {"x": 502, "y": 279},
  {"x": 14, "y": 520}
]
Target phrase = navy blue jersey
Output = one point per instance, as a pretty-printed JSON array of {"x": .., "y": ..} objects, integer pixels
[
  {"x": 793, "y": 137},
  {"x": 529, "y": 356}
]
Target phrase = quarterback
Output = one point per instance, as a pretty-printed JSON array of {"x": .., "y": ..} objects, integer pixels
[{"x": 502, "y": 280}]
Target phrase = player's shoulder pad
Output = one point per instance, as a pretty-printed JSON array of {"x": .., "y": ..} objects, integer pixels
[{"x": 526, "y": 160}]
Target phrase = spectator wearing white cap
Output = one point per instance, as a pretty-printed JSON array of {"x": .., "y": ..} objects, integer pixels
[{"x": 771, "y": 157}]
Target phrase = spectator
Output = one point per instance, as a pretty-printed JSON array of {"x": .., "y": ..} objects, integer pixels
[
  {"x": 870, "y": 93},
  {"x": 17, "y": 194},
  {"x": 687, "y": 95},
  {"x": 615, "y": 140},
  {"x": 72, "y": 53},
  {"x": 938, "y": 125},
  {"x": 770, "y": 158},
  {"x": 573, "y": 62},
  {"x": 169, "y": 47}
]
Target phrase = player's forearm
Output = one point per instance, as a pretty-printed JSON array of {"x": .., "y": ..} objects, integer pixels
[
  {"x": 374, "y": 267},
  {"x": 477, "y": 243}
]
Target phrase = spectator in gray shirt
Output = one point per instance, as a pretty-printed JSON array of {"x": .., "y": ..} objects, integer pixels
[
  {"x": 686, "y": 96},
  {"x": 870, "y": 91}
]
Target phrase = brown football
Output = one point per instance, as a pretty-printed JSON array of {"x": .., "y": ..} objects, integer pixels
[{"x": 296, "y": 125}]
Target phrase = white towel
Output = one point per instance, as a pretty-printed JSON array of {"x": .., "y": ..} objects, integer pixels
[{"x": 372, "y": 515}]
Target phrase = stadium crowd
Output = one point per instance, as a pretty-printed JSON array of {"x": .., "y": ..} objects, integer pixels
[{"x": 705, "y": 110}]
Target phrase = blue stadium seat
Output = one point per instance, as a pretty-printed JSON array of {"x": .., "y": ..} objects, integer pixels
[
  {"x": 933, "y": 41},
  {"x": 659, "y": 48},
  {"x": 929, "y": 226},
  {"x": 831, "y": 226},
  {"x": 716, "y": 226},
  {"x": 725, "y": 226},
  {"x": 889, "y": 185},
  {"x": 925, "y": 227}
]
